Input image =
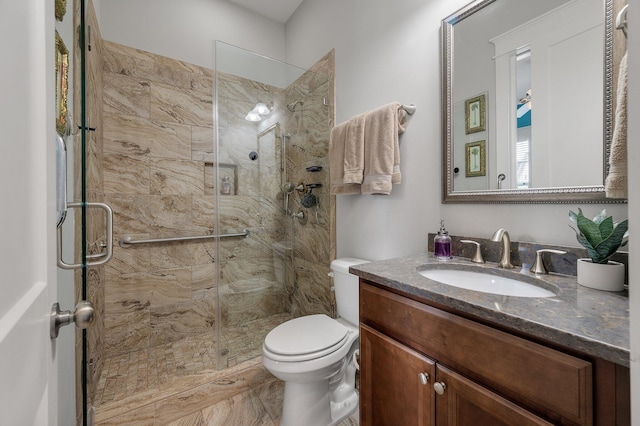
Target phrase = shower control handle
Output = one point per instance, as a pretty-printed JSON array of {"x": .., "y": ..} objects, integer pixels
[{"x": 301, "y": 216}]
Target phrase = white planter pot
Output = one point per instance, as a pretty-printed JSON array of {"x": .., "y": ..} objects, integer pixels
[{"x": 601, "y": 276}]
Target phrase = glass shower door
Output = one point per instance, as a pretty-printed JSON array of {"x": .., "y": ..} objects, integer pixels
[
  {"x": 85, "y": 235},
  {"x": 260, "y": 103}
]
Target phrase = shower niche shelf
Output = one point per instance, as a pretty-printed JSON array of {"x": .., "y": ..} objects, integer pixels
[{"x": 226, "y": 171}]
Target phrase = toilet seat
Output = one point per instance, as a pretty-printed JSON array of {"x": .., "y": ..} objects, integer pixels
[{"x": 306, "y": 338}]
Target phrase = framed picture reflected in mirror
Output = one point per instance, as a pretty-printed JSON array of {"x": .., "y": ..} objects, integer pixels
[
  {"x": 475, "y": 114},
  {"x": 475, "y": 159}
]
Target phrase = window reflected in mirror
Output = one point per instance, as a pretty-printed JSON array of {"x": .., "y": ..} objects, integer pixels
[{"x": 523, "y": 144}]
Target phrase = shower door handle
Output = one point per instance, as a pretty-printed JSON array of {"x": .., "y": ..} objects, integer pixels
[
  {"x": 104, "y": 257},
  {"x": 61, "y": 180}
]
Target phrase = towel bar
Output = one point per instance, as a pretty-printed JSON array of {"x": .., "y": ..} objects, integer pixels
[
  {"x": 410, "y": 109},
  {"x": 621, "y": 20},
  {"x": 126, "y": 242}
]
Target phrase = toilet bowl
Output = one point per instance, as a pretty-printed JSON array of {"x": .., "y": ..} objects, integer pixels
[{"x": 315, "y": 356}]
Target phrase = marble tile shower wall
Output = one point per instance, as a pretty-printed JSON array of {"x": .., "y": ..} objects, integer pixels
[
  {"x": 314, "y": 243},
  {"x": 158, "y": 137}
]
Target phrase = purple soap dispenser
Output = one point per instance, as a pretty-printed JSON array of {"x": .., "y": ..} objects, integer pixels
[{"x": 442, "y": 244}]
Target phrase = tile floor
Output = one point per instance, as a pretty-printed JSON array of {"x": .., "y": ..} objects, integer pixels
[
  {"x": 245, "y": 394},
  {"x": 179, "y": 384},
  {"x": 136, "y": 372}
]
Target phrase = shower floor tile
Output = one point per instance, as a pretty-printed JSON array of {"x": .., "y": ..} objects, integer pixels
[
  {"x": 243, "y": 395},
  {"x": 127, "y": 375},
  {"x": 245, "y": 341}
]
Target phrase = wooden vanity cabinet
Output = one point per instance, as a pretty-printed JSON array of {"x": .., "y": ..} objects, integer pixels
[
  {"x": 398, "y": 382},
  {"x": 490, "y": 377},
  {"x": 397, "y": 388}
]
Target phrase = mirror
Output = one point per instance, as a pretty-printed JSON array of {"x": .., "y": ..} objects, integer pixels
[{"x": 527, "y": 101}]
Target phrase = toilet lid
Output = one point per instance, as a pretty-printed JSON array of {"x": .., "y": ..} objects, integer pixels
[{"x": 305, "y": 335}]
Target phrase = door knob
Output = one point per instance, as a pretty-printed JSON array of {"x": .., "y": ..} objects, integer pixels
[
  {"x": 424, "y": 378},
  {"x": 82, "y": 316},
  {"x": 439, "y": 387}
]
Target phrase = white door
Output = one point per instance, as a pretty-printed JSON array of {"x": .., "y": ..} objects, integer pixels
[{"x": 28, "y": 374}]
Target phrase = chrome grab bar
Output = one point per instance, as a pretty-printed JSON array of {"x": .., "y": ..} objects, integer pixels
[
  {"x": 102, "y": 245},
  {"x": 106, "y": 256},
  {"x": 128, "y": 241}
]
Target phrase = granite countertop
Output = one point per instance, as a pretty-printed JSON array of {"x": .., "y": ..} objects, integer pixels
[{"x": 590, "y": 321}]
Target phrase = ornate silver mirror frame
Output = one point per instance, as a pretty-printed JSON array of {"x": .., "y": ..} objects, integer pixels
[{"x": 582, "y": 194}]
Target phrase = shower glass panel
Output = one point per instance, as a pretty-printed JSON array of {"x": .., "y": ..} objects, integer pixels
[
  {"x": 170, "y": 149},
  {"x": 268, "y": 115}
]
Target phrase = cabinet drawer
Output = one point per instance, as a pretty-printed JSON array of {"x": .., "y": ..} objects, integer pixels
[{"x": 542, "y": 379}]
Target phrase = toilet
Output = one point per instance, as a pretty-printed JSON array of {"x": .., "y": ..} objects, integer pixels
[{"x": 315, "y": 356}]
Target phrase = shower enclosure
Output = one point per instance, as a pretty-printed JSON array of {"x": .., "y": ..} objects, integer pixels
[{"x": 211, "y": 248}]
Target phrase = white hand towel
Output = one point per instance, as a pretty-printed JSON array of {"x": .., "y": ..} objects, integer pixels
[
  {"x": 616, "y": 183},
  {"x": 381, "y": 149},
  {"x": 336, "y": 162}
]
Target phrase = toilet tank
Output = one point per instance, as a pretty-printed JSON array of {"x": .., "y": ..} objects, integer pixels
[{"x": 346, "y": 288}]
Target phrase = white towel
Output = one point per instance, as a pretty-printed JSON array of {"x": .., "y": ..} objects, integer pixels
[
  {"x": 616, "y": 183},
  {"x": 337, "y": 142},
  {"x": 381, "y": 149}
]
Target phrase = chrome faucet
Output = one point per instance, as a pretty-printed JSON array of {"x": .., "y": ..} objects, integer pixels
[{"x": 505, "y": 260}]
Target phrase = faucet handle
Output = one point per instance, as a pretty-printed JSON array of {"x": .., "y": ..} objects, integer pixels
[
  {"x": 477, "y": 258},
  {"x": 538, "y": 266}
]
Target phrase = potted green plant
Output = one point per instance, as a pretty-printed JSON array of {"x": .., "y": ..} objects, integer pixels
[{"x": 602, "y": 237}]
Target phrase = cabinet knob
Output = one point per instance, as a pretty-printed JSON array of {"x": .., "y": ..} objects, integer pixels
[
  {"x": 424, "y": 378},
  {"x": 439, "y": 387}
]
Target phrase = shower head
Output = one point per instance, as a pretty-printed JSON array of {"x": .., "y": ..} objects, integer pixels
[
  {"x": 292, "y": 106},
  {"x": 309, "y": 200}
]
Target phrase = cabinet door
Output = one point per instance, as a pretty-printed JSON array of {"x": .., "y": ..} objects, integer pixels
[
  {"x": 464, "y": 402},
  {"x": 396, "y": 382}
]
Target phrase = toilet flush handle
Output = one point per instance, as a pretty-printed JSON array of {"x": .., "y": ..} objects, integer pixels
[{"x": 356, "y": 355}]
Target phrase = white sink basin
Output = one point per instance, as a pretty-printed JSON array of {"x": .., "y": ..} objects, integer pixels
[{"x": 486, "y": 283}]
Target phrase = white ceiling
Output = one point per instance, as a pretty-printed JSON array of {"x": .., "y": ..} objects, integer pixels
[{"x": 278, "y": 10}]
